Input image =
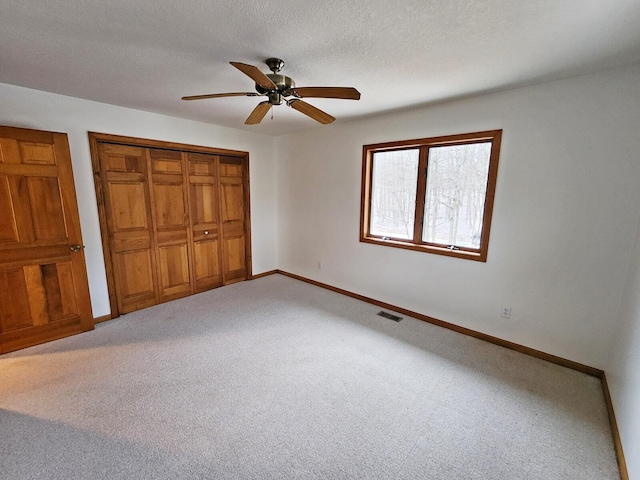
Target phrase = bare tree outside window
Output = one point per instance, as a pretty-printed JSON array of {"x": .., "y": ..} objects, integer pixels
[
  {"x": 393, "y": 204},
  {"x": 456, "y": 191}
]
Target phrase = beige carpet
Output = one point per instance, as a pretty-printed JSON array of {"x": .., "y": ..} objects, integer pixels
[{"x": 278, "y": 379}]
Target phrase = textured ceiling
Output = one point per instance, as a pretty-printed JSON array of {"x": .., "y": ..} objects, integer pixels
[{"x": 146, "y": 54}]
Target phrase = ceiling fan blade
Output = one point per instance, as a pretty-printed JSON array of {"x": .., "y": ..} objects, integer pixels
[
  {"x": 257, "y": 76},
  {"x": 220, "y": 95},
  {"x": 311, "y": 111},
  {"x": 345, "y": 93},
  {"x": 258, "y": 113}
]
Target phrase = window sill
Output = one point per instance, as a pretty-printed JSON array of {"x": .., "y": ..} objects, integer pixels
[{"x": 477, "y": 256}]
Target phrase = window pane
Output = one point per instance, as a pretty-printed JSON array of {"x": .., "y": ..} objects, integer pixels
[
  {"x": 393, "y": 193},
  {"x": 456, "y": 191}
]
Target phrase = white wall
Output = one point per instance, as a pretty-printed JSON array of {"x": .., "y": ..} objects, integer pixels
[
  {"x": 623, "y": 368},
  {"x": 565, "y": 213},
  {"x": 22, "y": 107}
]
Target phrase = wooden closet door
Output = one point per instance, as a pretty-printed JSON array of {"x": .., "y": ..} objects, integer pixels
[
  {"x": 175, "y": 218},
  {"x": 171, "y": 223},
  {"x": 44, "y": 292},
  {"x": 130, "y": 227},
  {"x": 233, "y": 219},
  {"x": 204, "y": 216}
]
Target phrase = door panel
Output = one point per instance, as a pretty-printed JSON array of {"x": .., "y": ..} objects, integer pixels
[
  {"x": 174, "y": 270},
  {"x": 10, "y": 150},
  {"x": 234, "y": 261},
  {"x": 231, "y": 167},
  {"x": 128, "y": 200},
  {"x": 201, "y": 164},
  {"x": 204, "y": 205},
  {"x": 15, "y": 310},
  {"x": 130, "y": 227},
  {"x": 207, "y": 264},
  {"x": 207, "y": 259},
  {"x": 233, "y": 205},
  {"x": 37, "y": 153},
  {"x": 58, "y": 287},
  {"x": 36, "y": 294},
  {"x": 45, "y": 293},
  {"x": 64, "y": 278},
  {"x": 171, "y": 223},
  {"x": 46, "y": 208},
  {"x": 169, "y": 204},
  {"x": 8, "y": 225},
  {"x": 232, "y": 200},
  {"x": 137, "y": 274}
]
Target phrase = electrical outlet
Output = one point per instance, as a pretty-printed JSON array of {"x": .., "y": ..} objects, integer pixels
[
  {"x": 319, "y": 264},
  {"x": 506, "y": 312}
]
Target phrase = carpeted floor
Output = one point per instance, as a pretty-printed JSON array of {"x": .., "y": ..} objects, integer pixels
[{"x": 278, "y": 379}]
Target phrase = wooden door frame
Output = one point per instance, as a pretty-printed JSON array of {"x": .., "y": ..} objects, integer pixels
[{"x": 96, "y": 138}]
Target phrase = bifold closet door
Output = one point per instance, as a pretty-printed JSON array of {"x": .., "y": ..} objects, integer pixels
[
  {"x": 205, "y": 220},
  {"x": 218, "y": 219},
  {"x": 233, "y": 218},
  {"x": 177, "y": 221},
  {"x": 130, "y": 226},
  {"x": 171, "y": 223}
]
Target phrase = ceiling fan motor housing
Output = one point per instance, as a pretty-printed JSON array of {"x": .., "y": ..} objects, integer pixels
[{"x": 283, "y": 83}]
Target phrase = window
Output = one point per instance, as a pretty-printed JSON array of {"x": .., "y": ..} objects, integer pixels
[{"x": 432, "y": 194}]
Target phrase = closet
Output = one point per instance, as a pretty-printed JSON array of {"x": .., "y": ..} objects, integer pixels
[{"x": 174, "y": 218}]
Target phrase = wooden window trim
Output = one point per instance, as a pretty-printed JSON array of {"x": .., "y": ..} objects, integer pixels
[{"x": 416, "y": 244}]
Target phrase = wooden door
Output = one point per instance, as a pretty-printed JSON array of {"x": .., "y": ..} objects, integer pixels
[
  {"x": 174, "y": 218},
  {"x": 130, "y": 227},
  {"x": 171, "y": 223},
  {"x": 233, "y": 219},
  {"x": 44, "y": 292},
  {"x": 204, "y": 216}
]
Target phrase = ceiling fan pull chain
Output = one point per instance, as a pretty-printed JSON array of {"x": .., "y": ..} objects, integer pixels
[{"x": 271, "y": 112}]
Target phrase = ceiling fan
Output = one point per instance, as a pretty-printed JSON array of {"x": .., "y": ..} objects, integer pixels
[{"x": 277, "y": 88}]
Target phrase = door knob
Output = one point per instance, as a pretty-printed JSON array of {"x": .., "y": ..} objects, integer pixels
[{"x": 75, "y": 248}]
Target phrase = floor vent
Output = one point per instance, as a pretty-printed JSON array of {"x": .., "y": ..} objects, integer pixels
[{"x": 390, "y": 316}]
